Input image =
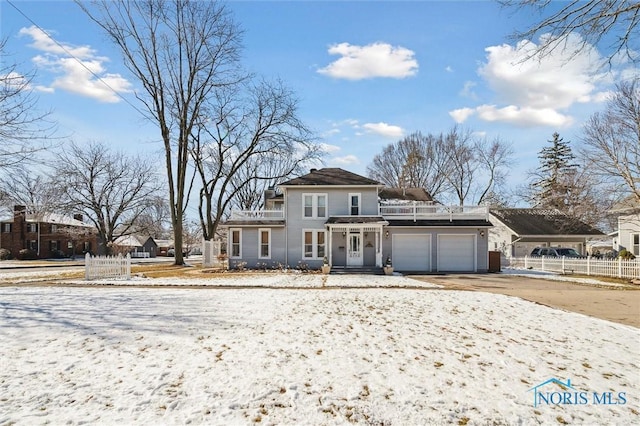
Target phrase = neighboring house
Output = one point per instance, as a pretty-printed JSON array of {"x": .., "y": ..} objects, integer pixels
[
  {"x": 163, "y": 247},
  {"x": 356, "y": 222},
  {"x": 628, "y": 237},
  {"x": 136, "y": 245},
  {"x": 47, "y": 234},
  {"x": 516, "y": 232}
]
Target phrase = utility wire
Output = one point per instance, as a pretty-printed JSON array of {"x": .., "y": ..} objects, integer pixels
[{"x": 61, "y": 46}]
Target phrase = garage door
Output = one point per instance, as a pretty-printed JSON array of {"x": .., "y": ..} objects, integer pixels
[
  {"x": 457, "y": 253},
  {"x": 411, "y": 252}
]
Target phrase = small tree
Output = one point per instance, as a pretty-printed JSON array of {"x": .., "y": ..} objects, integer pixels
[{"x": 552, "y": 184}]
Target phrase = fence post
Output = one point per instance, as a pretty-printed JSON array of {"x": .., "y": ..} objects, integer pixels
[
  {"x": 619, "y": 267},
  {"x": 542, "y": 264},
  {"x": 87, "y": 265},
  {"x": 526, "y": 262},
  {"x": 563, "y": 267},
  {"x": 588, "y": 265},
  {"x": 128, "y": 266}
]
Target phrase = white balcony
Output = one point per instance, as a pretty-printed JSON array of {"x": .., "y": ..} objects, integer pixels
[
  {"x": 257, "y": 215},
  {"x": 423, "y": 211}
]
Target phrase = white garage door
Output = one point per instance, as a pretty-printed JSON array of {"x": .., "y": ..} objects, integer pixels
[
  {"x": 411, "y": 252},
  {"x": 457, "y": 253}
]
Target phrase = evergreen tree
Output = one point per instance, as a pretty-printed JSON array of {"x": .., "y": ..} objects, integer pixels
[{"x": 555, "y": 176}]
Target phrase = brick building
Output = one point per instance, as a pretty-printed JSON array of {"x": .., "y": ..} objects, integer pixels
[{"x": 47, "y": 235}]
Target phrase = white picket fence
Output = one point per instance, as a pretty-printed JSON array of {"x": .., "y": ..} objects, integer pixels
[
  {"x": 211, "y": 251},
  {"x": 98, "y": 267},
  {"x": 617, "y": 268}
]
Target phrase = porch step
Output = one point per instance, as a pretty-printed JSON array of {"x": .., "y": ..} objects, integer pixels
[{"x": 366, "y": 270}]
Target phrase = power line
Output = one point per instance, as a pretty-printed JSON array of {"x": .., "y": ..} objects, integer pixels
[{"x": 61, "y": 46}]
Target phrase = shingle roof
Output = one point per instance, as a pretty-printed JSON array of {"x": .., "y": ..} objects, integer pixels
[
  {"x": 410, "y": 194},
  {"x": 330, "y": 176},
  {"x": 542, "y": 222},
  {"x": 440, "y": 223},
  {"x": 333, "y": 220}
]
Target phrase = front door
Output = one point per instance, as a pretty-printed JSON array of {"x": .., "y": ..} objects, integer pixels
[{"x": 354, "y": 254}]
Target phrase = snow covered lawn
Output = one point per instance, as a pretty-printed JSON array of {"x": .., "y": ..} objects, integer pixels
[{"x": 116, "y": 355}]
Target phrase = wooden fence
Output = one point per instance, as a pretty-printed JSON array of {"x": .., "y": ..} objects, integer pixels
[
  {"x": 617, "y": 268},
  {"x": 98, "y": 267}
]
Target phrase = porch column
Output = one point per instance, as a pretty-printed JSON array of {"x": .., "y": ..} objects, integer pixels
[{"x": 330, "y": 245}]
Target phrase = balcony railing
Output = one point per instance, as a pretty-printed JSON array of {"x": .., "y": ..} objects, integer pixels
[
  {"x": 257, "y": 215},
  {"x": 420, "y": 211}
]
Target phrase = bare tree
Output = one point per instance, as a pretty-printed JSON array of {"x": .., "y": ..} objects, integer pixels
[
  {"x": 180, "y": 51},
  {"x": 463, "y": 163},
  {"x": 112, "y": 189},
  {"x": 597, "y": 21},
  {"x": 37, "y": 192},
  {"x": 254, "y": 138},
  {"x": 155, "y": 221},
  {"x": 495, "y": 158},
  {"x": 611, "y": 142},
  {"x": 417, "y": 161},
  {"x": 23, "y": 130}
]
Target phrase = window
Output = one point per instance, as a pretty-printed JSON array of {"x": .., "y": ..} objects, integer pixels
[
  {"x": 635, "y": 244},
  {"x": 32, "y": 227},
  {"x": 33, "y": 245},
  {"x": 54, "y": 229},
  {"x": 236, "y": 245},
  {"x": 54, "y": 245},
  {"x": 314, "y": 244},
  {"x": 354, "y": 204},
  {"x": 264, "y": 243},
  {"x": 314, "y": 206},
  {"x": 6, "y": 227}
]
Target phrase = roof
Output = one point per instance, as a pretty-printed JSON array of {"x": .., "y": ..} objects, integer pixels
[
  {"x": 253, "y": 222},
  {"x": 333, "y": 220},
  {"x": 132, "y": 240},
  {"x": 409, "y": 194},
  {"x": 542, "y": 222},
  {"x": 52, "y": 218},
  {"x": 329, "y": 177}
]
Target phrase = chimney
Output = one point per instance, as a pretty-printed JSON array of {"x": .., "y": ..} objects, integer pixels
[
  {"x": 314, "y": 170},
  {"x": 20, "y": 211},
  {"x": 268, "y": 194},
  {"x": 78, "y": 217}
]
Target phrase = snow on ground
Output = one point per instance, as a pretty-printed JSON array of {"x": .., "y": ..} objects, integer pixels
[
  {"x": 270, "y": 280},
  {"x": 530, "y": 273},
  {"x": 116, "y": 355}
]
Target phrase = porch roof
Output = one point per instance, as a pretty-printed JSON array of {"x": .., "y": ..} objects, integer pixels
[
  {"x": 249, "y": 222},
  {"x": 355, "y": 220}
]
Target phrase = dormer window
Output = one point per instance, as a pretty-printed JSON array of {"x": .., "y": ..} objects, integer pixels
[{"x": 354, "y": 204}]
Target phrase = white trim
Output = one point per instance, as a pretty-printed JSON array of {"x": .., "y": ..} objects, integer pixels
[
  {"x": 231, "y": 231},
  {"x": 314, "y": 205},
  {"x": 634, "y": 249},
  {"x": 314, "y": 244},
  {"x": 260, "y": 231},
  {"x": 359, "y": 196}
]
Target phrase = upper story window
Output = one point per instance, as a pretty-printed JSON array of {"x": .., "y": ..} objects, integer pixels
[
  {"x": 314, "y": 206},
  {"x": 54, "y": 229},
  {"x": 32, "y": 227},
  {"x": 6, "y": 227},
  {"x": 354, "y": 204}
]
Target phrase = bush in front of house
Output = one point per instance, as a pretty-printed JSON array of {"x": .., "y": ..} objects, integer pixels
[
  {"x": 5, "y": 254},
  {"x": 27, "y": 254},
  {"x": 626, "y": 255}
]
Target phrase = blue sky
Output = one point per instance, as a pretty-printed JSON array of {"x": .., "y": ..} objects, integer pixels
[{"x": 366, "y": 74}]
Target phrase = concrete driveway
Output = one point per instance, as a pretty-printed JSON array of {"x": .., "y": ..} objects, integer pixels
[{"x": 620, "y": 305}]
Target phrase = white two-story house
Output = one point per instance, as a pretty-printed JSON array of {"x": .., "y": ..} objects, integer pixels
[{"x": 355, "y": 222}]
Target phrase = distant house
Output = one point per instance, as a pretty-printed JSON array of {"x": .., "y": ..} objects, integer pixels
[
  {"x": 628, "y": 235},
  {"x": 163, "y": 247},
  {"x": 136, "y": 245},
  {"x": 516, "y": 232},
  {"x": 46, "y": 234},
  {"x": 352, "y": 222}
]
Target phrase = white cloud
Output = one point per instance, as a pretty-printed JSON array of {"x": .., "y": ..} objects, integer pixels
[
  {"x": 461, "y": 115},
  {"x": 328, "y": 148},
  {"x": 346, "y": 160},
  {"x": 370, "y": 61},
  {"x": 537, "y": 90},
  {"x": 448, "y": 68},
  {"x": 384, "y": 129},
  {"x": 79, "y": 69},
  {"x": 467, "y": 90}
]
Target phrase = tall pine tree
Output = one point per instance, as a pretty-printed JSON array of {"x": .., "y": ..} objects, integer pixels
[{"x": 555, "y": 176}]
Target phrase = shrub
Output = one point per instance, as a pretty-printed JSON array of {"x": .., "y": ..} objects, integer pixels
[
  {"x": 27, "y": 254},
  {"x": 5, "y": 254},
  {"x": 626, "y": 255},
  {"x": 57, "y": 254}
]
